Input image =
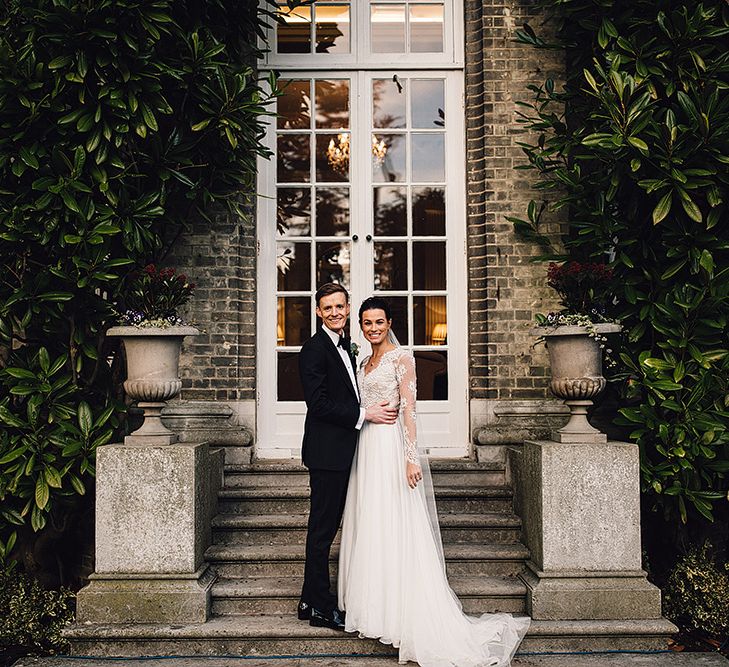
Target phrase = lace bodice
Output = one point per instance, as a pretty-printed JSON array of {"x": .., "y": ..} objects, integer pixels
[{"x": 393, "y": 380}]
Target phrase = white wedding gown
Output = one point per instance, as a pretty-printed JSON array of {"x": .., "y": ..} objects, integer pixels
[{"x": 392, "y": 581}]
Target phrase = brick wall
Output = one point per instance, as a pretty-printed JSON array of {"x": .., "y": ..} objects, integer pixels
[
  {"x": 220, "y": 257},
  {"x": 505, "y": 288}
]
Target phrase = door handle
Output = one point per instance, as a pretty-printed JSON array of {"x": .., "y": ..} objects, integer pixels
[
  {"x": 368, "y": 237},
  {"x": 355, "y": 237}
]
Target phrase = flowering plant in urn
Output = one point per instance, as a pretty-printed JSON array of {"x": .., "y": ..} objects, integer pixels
[
  {"x": 152, "y": 334},
  {"x": 154, "y": 296},
  {"x": 575, "y": 338}
]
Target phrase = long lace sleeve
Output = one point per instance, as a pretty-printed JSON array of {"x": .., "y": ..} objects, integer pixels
[{"x": 405, "y": 371}]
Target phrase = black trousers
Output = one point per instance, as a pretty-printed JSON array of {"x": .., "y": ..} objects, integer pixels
[{"x": 328, "y": 493}]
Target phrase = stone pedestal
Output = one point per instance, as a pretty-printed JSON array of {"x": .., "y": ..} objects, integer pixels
[
  {"x": 154, "y": 504},
  {"x": 580, "y": 504}
]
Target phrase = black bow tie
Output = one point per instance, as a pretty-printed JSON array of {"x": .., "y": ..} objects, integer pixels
[{"x": 344, "y": 343}]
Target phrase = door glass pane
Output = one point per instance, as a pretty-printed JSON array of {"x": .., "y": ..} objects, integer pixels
[
  {"x": 294, "y": 106},
  {"x": 293, "y": 211},
  {"x": 293, "y": 325},
  {"x": 391, "y": 265},
  {"x": 294, "y": 266},
  {"x": 332, "y": 157},
  {"x": 332, "y": 263},
  {"x": 429, "y": 211},
  {"x": 288, "y": 381},
  {"x": 332, "y": 28},
  {"x": 427, "y": 103},
  {"x": 332, "y": 211},
  {"x": 332, "y": 103},
  {"x": 426, "y": 28},
  {"x": 388, "y": 103},
  {"x": 428, "y": 157},
  {"x": 429, "y": 266},
  {"x": 431, "y": 367},
  {"x": 399, "y": 308},
  {"x": 430, "y": 325},
  {"x": 293, "y": 34},
  {"x": 390, "y": 212},
  {"x": 293, "y": 158},
  {"x": 388, "y": 28},
  {"x": 388, "y": 158}
]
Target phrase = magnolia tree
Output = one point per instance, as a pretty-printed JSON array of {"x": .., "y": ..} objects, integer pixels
[{"x": 119, "y": 121}]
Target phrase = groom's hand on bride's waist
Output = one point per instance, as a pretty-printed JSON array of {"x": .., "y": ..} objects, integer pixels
[{"x": 382, "y": 413}]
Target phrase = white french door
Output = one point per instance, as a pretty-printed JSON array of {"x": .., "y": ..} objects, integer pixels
[{"x": 366, "y": 188}]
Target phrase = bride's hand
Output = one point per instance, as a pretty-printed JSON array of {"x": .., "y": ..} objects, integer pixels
[{"x": 413, "y": 473}]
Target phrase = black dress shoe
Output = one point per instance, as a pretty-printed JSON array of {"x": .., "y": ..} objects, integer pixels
[
  {"x": 333, "y": 619},
  {"x": 303, "y": 611}
]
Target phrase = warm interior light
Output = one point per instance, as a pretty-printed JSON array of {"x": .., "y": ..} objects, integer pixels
[
  {"x": 379, "y": 150},
  {"x": 440, "y": 333},
  {"x": 338, "y": 153}
]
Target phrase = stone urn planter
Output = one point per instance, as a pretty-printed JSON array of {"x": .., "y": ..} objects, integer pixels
[
  {"x": 153, "y": 356},
  {"x": 575, "y": 360}
]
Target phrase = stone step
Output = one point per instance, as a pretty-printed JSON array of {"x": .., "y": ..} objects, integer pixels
[
  {"x": 285, "y": 635},
  {"x": 234, "y": 561},
  {"x": 272, "y": 596},
  {"x": 295, "y": 500},
  {"x": 446, "y": 472},
  {"x": 489, "y": 527}
]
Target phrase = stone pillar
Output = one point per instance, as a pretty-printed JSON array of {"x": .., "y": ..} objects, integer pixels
[
  {"x": 580, "y": 504},
  {"x": 154, "y": 504}
]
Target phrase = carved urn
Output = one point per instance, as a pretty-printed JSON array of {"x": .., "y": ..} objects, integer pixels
[
  {"x": 575, "y": 360},
  {"x": 153, "y": 357}
]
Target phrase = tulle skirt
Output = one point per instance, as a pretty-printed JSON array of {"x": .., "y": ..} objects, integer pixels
[{"x": 392, "y": 582}]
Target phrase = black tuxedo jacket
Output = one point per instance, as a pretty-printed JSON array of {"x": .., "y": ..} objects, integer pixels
[{"x": 332, "y": 406}]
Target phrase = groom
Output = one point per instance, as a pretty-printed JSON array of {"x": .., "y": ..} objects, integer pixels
[{"x": 333, "y": 419}]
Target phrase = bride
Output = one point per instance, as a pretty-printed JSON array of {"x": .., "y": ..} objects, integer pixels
[{"x": 392, "y": 580}]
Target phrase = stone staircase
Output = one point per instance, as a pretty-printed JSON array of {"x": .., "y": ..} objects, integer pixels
[{"x": 257, "y": 551}]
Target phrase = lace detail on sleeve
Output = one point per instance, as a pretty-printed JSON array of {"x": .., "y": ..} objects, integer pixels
[{"x": 405, "y": 372}]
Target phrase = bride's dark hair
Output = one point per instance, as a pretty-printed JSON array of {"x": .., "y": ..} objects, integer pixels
[{"x": 375, "y": 303}]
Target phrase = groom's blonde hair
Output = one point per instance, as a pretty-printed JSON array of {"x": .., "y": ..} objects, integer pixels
[{"x": 327, "y": 289}]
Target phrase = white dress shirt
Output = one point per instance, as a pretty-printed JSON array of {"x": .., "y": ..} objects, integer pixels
[{"x": 350, "y": 371}]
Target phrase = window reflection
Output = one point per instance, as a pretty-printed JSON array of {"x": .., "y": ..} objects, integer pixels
[
  {"x": 427, "y": 103},
  {"x": 429, "y": 266},
  {"x": 293, "y": 211},
  {"x": 332, "y": 157},
  {"x": 431, "y": 368},
  {"x": 332, "y": 28},
  {"x": 288, "y": 380},
  {"x": 391, "y": 266},
  {"x": 294, "y": 106},
  {"x": 388, "y": 158},
  {"x": 428, "y": 161},
  {"x": 399, "y": 308},
  {"x": 429, "y": 320},
  {"x": 294, "y": 266},
  {"x": 426, "y": 28},
  {"x": 293, "y": 158},
  {"x": 332, "y": 103},
  {"x": 429, "y": 211},
  {"x": 387, "y": 28},
  {"x": 332, "y": 211},
  {"x": 388, "y": 103},
  {"x": 293, "y": 320},
  {"x": 293, "y": 34},
  {"x": 390, "y": 212},
  {"x": 332, "y": 263}
]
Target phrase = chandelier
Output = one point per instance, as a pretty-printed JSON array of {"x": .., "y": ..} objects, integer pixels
[
  {"x": 379, "y": 150},
  {"x": 338, "y": 152}
]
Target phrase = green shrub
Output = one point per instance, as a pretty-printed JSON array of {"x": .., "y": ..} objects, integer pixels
[
  {"x": 696, "y": 595},
  {"x": 32, "y": 618},
  {"x": 119, "y": 123},
  {"x": 635, "y": 151}
]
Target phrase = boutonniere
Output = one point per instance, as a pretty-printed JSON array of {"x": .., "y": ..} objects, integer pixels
[{"x": 353, "y": 349}]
